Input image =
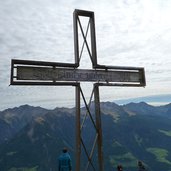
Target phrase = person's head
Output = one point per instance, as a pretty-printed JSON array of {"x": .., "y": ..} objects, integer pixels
[
  {"x": 140, "y": 163},
  {"x": 64, "y": 150},
  {"x": 119, "y": 168}
]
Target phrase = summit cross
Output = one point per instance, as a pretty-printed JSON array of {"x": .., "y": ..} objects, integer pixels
[{"x": 25, "y": 72}]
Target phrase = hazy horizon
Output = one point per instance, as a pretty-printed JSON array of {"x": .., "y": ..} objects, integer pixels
[{"x": 161, "y": 100}]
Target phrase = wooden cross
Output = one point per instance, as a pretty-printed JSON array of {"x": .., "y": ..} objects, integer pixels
[{"x": 24, "y": 72}]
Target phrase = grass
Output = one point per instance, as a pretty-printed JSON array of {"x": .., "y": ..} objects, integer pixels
[
  {"x": 11, "y": 153},
  {"x": 168, "y": 133},
  {"x": 24, "y": 169},
  {"x": 127, "y": 159},
  {"x": 160, "y": 154}
]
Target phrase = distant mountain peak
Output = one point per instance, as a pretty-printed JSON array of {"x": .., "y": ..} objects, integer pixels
[{"x": 156, "y": 100}]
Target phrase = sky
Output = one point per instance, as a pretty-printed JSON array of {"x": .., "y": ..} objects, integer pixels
[{"x": 128, "y": 33}]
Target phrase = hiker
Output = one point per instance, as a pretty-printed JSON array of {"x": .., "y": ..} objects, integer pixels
[
  {"x": 141, "y": 167},
  {"x": 119, "y": 168},
  {"x": 64, "y": 161}
]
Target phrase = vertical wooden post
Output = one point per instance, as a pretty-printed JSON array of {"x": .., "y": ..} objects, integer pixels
[
  {"x": 98, "y": 126},
  {"x": 78, "y": 131}
]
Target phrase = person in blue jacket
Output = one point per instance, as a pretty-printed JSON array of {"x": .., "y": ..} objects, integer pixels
[{"x": 64, "y": 161}]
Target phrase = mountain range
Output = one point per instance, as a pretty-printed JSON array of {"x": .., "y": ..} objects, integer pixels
[
  {"x": 31, "y": 138},
  {"x": 153, "y": 99}
]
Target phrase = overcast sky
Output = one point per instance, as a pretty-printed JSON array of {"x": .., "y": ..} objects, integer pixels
[{"x": 128, "y": 33}]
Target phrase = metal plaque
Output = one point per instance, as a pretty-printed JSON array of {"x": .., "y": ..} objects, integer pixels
[{"x": 67, "y": 74}]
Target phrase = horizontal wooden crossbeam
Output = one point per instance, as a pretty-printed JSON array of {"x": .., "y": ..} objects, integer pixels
[{"x": 32, "y": 72}]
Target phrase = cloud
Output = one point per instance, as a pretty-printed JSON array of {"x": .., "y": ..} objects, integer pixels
[{"x": 129, "y": 33}]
